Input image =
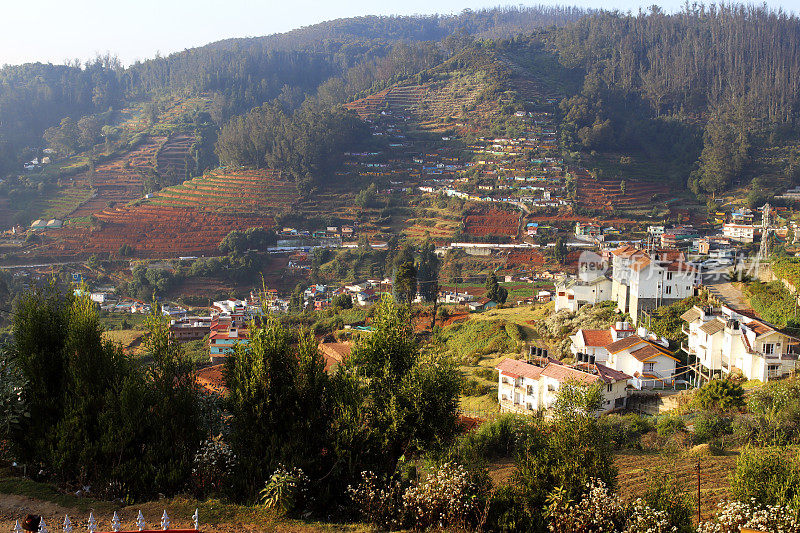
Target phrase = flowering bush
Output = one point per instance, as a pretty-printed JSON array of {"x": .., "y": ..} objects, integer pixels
[
  {"x": 448, "y": 496},
  {"x": 214, "y": 463},
  {"x": 285, "y": 490},
  {"x": 734, "y": 515},
  {"x": 600, "y": 510},
  {"x": 379, "y": 501}
]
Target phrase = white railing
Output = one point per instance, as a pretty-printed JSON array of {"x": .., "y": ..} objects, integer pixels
[{"x": 91, "y": 524}]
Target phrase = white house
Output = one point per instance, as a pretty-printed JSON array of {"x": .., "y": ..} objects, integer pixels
[
  {"x": 648, "y": 361},
  {"x": 721, "y": 341},
  {"x": 593, "y": 342},
  {"x": 588, "y": 288},
  {"x": 741, "y": 232},
  {"x": 644, "y": 280},
  {"x": 525, "y": 387}
]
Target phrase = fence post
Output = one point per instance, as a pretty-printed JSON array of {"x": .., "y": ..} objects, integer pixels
[
  {"x": 115, "y": 522},
  {"x": 140, "y": 521},
  {"x": 164, "y": 521}
]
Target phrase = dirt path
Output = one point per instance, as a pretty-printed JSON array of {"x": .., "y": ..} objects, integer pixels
[{"x": 14, "y": 507}]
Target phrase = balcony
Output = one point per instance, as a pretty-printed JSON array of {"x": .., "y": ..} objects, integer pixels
[
  {"x": 685, "y": 348},
  {"x": 685, "y": 329}
]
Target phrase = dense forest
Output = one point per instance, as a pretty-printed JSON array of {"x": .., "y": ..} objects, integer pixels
[{"x": 701, "y": 89}]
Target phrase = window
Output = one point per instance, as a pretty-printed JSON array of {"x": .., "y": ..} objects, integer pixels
[
  {"x": 649, "y": 367},
  {"x": 668, "y": 289},
  {"x": 769, "y": 348},
  {"x": 610, "y": 387},
  {"x": 669, "y": 276},
  {"x": 530, "y": 390}
]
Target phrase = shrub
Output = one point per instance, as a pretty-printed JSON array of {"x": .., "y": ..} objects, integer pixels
[
  {"x": 733, "y": 516},
  {"x": 497, "y": 438},
  {"x": 669, "y": 425},
  {"x": 285, "y": 491},
  {"x": 774, "y": 417},
  {"x": 767, "y": 477},
  {"x": 625, "y": 431},
  {"x": 600, "y": 510},
  {"x": 711, "y": 426},
  {"x": 446, "y": 497},
  {"x": 379, "y": 501},
  {"x": 507, "y": 511},
  {"x": 720, "y": 394},
  {"x": 664, "y": 495},
  {"x": 214, "y": 463}
]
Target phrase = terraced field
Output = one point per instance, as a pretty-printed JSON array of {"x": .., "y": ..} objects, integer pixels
[
  {"x": 606, "y": 194},
  {"x": 492, "y": 222},
  {"x": 120, "y": 180},
  {"x": 525, "y": 257},
  {"x": 242, "y": 191},
  {"x": 155, "y": 231},
  {"x": 393, "y": 98},
  {"x": 173, "y": 157}
]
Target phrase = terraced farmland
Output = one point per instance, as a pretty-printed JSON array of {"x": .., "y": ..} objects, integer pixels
[
  {"x": 242, "y": 191},
  {"x": 120, "y": 180},
  {"x": 173, "y": 157},
  {"x": 606, "y": 194},
  {"x": 492, "y": 222},
  {"x": 393, "y": 98},
  {"x": 155, "y": 231},
  {"x": 525, "y": 257}
]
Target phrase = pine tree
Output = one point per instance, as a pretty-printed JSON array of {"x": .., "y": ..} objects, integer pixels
[{"x": 494, "y": 291}]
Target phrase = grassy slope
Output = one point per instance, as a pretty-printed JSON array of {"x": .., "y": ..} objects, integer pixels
[{"x": 19, "y": 496}]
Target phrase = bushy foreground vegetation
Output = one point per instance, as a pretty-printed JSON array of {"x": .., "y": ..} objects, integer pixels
[{"x": 376, "y": 441}]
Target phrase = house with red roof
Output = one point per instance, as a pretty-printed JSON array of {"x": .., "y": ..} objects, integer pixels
[
  {"x": 525, "y": 387},
  {"x": 593, "y": 342},
  {"x": 647, "y": 360}
]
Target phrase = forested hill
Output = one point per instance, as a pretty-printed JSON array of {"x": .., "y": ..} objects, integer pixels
[
  {"x": 247, "y": 72},
  {"x": 704, "y": 90},
  {"x": 501, "y": 22}
]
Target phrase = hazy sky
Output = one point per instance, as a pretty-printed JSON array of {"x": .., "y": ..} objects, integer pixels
[{"x": 57, "y": 30}]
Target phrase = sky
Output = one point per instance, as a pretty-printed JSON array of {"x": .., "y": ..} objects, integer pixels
[{"x": 59, "y": 30}]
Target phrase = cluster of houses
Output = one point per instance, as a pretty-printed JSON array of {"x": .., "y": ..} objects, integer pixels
[
  {"x": 639, "y": 281},
  {"x": 723, "y": 341},
  {"x": 619, "y": 359}
]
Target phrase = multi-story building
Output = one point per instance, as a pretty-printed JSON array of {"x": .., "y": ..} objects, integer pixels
[
  {"x": 525, "y": 387},
  {"x": 643, "y": 356},
  {"x": 741, "y": 232},
  {"x": 721, "y": 341},
  {"x": 644, "y": 280}
]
